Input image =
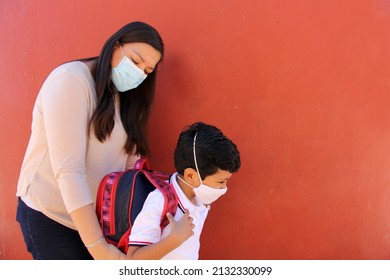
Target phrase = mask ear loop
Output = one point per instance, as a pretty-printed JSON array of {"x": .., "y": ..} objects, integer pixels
[
  {"x": 120, "y": 46},
  {"x": 196, "y": 163}
]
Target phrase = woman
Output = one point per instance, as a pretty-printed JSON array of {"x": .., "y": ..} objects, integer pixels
[{"x": 90, "y": 118}]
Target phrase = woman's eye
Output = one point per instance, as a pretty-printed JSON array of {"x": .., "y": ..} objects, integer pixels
[{"x": 134, "y": 61}]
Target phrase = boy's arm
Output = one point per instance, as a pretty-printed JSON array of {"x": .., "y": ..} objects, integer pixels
[{"x": 180, "y": 231}]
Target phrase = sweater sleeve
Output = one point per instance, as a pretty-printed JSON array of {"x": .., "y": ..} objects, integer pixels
[{"x": 65, "y": 112}]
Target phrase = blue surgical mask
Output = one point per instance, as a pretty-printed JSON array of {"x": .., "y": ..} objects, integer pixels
[{"x": 126, "y": 75}]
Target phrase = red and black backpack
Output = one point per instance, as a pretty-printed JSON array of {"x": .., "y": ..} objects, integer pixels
[{"x": 120, "y": 198}]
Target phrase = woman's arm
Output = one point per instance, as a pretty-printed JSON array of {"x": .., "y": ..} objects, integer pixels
[
  {"x": 180, "y": 231},
  {"x": 90, "y": 231},
  {"x": 65, "y": 109}
]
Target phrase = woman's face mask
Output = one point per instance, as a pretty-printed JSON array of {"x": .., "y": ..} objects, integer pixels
[
  {"x": 204, "y": 194},
  {"x": 126, "y": 75}
]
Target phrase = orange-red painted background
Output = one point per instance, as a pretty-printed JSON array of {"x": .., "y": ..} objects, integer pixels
[{"x": 302, "y": 87}]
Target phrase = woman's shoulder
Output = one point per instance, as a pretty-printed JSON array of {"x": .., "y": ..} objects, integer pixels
[
  {"x": 78, "y": 68},
  {"x": 69, "y": 79},
  {"x": 71, "y": 72}
]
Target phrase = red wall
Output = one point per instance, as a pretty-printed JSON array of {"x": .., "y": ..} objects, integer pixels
[{"x": 302, "y": 87}]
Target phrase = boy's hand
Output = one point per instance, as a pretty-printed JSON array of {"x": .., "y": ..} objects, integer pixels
[{"x": 181, "y": 229}]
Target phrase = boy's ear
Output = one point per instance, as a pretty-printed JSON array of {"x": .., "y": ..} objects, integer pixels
[{"x": 190, "y": 175}]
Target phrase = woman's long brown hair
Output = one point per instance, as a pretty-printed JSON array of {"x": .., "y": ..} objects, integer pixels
[{"x": 135, "y": 104}]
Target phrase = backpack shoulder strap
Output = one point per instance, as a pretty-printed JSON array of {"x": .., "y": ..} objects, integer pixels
[
  {"x": 171, "y": 200},
  {"x": 142, "y": 164}
]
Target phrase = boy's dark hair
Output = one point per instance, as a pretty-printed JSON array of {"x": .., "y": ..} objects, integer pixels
[{"x": 213, "y": 150}]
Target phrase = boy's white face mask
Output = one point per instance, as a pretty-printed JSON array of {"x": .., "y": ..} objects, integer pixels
[
  {"x": 204, "y": 193},
  {"x": 126, "y": 75}
]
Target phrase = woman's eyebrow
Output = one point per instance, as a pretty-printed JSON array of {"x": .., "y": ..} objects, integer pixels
[
  {"x": 138, "y": 55},
  {"x": 143, "y": 60}
]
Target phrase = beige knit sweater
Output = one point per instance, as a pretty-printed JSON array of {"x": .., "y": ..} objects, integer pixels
[{"x": 63, "y": 166}]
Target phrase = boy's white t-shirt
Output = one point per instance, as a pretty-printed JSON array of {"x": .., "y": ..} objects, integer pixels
[{"x": 146, "y": 228}]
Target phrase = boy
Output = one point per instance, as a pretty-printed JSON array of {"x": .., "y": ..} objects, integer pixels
[{"x": 204, "y": 160}]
